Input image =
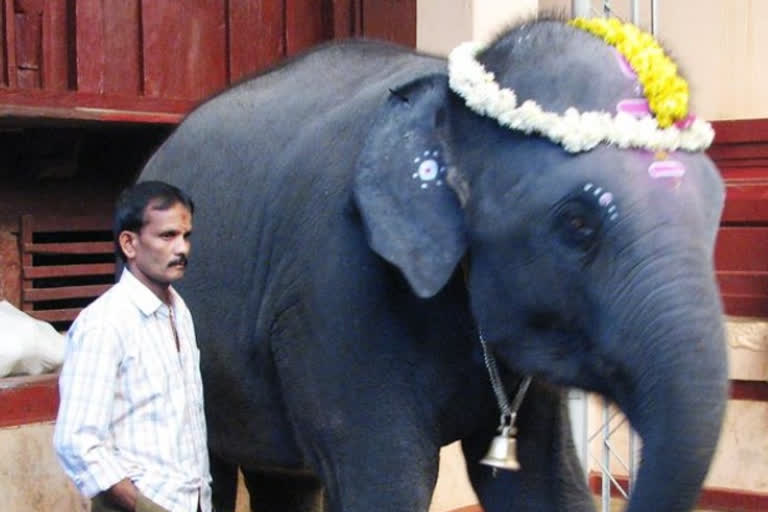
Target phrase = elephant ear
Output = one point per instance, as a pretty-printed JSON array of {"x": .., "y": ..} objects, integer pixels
[{"x": 412, "y": 215}]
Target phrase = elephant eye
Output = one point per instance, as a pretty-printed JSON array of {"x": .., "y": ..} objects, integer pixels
[{"x": 577, "y": 224}]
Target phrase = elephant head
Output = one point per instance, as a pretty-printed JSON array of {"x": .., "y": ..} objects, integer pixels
[{"x": 588, "y": 234}]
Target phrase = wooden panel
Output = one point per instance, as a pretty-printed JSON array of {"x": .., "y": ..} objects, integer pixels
[
  {"x": 136, "y": 60},
  {"x": 58, "y": 57},
  {"x": 28, "y": 399},
  {"x": 65, "y": 292},
  {"x": 10, "y": 42},
  {"x": 91, "y": 106},
  {"x": 28, "y": 24},
  {"x": 742, "y": 248},
  {"x": 89, "y": 37},
  {"x": 4, "y": 39},
  {"x": 70, "y": 248},
  {"x": 307, "y": 23},
  {"x": 347, "y": 18},
  {"x": 392, "y": 20},
  {"x": 740, "y": 150},
  {"x": 752, "y": 390},
  {"x": 256, "y": 36},
  {"x": 185, "y": 46},
  {"x": 48, "y": 223},
  {"x": 122, "y": 75},
  {"x": 30, "y": 272},
  {"x": 54, "y": 315},
  {"x": 737, "y": 131},
  {"x": 108, "y": 51},
  {"x": 746, "y": 200}
]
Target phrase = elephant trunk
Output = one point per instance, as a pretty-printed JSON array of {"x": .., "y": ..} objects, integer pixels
[{"x": 677, "y": 395}]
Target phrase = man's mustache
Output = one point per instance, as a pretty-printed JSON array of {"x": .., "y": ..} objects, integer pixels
[{"x": 181, "y": 260}]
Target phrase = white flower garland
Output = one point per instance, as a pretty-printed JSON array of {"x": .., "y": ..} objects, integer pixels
[{"x": 575, "y": 131}]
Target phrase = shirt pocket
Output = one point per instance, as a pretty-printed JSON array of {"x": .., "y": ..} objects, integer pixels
[{"x": 152, "y": 382}]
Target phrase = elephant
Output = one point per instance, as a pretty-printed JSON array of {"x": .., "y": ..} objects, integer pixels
[{"x": 366, "y": 222}]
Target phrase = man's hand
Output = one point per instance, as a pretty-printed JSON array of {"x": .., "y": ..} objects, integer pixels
[{"x": 124, "y": 494}]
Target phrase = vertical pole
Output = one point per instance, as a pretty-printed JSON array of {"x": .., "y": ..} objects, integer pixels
[
  {"x": 580, "y": 8},
  {"x": 635, "y": 12},
  {"x": 632, "y": 462},
  {"x": 654, "y": 17},
  {"x": 606, "y": 490},
  {"x": 578, "y": 411}
]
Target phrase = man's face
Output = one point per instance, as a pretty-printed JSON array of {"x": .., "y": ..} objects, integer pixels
[{"x": 157, "y": 255}]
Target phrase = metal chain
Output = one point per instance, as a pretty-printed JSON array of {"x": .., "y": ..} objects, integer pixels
[{"x": 508, "y": 413}]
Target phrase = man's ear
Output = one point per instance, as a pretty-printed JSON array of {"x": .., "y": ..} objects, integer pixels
[{"x": 127, "y": 241}]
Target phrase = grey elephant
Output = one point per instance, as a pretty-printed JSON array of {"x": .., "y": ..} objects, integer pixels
[{"x": 366, "y": 213}]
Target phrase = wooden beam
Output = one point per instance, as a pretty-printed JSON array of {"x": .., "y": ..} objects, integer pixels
[
  {"x": 64, "y": 292},
  {"x": 54, "y": 315},
  {"x": 30, "y": 272},
  {"x": 71, "y": 248},
  {"x": 26, "y": 400}
]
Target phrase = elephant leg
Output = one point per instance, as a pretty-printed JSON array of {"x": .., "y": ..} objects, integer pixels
[
  {"x": 224, "y": 485},
  {"x": 283, "y": 492},
  {"x": 550, "y": 479}
]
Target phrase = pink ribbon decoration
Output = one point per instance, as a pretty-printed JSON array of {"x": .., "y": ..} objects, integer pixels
[{"x": 666, "y": 169}]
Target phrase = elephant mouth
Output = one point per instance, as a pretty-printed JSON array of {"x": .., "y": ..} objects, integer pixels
[
  {"x": 561, "y": 351},
  {"x": 547, "y": 321}
]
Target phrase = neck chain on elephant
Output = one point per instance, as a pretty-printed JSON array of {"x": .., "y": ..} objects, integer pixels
[{"x": 502, "y": 451}]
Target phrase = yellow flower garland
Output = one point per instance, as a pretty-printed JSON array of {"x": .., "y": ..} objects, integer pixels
[{"x": 666, "y": 91}]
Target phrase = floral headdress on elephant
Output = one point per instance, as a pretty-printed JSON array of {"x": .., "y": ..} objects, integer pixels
[{"x": 660, "y": 122}]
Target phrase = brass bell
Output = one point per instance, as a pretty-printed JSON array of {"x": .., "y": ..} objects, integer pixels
[{"x": 503, "y": 451}]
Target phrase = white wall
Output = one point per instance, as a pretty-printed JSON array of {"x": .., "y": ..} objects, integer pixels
[{"x": 443, "y": 24}]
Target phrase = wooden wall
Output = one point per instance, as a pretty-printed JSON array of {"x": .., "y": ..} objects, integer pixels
[
  {"x": 741, "y": 256},
  {"x": 146, "y": 59}
]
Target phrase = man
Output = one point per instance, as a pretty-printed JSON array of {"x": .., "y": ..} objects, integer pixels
[{"x": 131, "y": 429}]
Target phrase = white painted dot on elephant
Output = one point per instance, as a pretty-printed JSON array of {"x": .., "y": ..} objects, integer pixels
[
  {"x": 424, "y": 186},
  {"x": 597, "y": 191},
  {"x": 605, "y": 199},
  {"x": 426, "y": 153},
  {"x": 587, "y": 187},
  {"x": 614, "y": 216},
  {"x": 415, "y": 175},
  {"x": 428, "y": 170},
  {"x": 612, "y": 209},
  {"x": 417, "y": 160},
  {"x": 435, "y": 153},
  {"x": 439, "y": 183}
]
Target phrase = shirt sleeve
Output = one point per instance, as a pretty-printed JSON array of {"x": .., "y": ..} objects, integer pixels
[{"x": 87, "y": 386}]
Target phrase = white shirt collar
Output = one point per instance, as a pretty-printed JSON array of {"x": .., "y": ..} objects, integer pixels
[{"x": 147, "y": 302}]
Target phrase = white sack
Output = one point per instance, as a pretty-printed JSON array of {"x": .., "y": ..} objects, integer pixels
[{"x": 27, "y": 346}]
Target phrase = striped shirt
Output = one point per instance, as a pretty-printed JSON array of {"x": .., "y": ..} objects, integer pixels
[{"x": 131, "y": 404}]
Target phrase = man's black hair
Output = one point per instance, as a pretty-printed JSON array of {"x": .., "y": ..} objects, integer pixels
[{"x": 133, "y": 202}]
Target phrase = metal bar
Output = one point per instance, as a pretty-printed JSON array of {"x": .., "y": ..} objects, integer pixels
[
  {"x": 606, "y": 465},
  {"x": 580, "y": 8}
]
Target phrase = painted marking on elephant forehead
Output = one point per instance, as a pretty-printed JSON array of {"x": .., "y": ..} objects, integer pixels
[
  {"x": 604, "y": 199},
  {"x": 637, "y": 107},
  {"x": 429, "y": 170},
  {"x": 624, "y": 65}
]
